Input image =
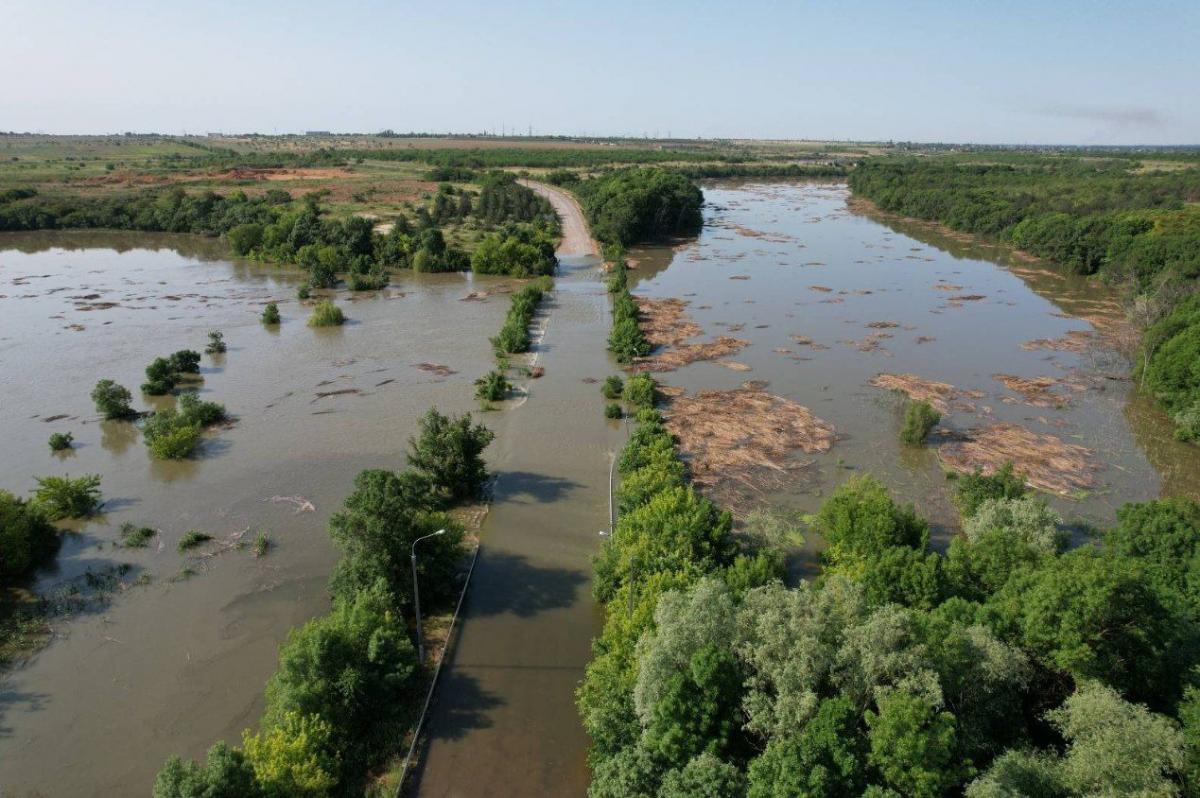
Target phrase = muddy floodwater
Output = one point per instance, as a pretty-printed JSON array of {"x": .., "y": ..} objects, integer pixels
[
  {"x": 169, "y": 664},
  {"x": 827, "y": 297}
]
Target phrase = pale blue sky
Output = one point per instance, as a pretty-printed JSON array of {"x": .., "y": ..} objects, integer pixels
[{"x": 1011, "y": 72}]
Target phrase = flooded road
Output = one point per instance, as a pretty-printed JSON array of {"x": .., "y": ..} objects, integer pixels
[
  {"x": 172, "y": 665},
  {"x": 504, "y": 720},
  {"x": 827, "y": 299}
]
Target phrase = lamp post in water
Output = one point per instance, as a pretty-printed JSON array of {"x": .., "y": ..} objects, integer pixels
[{"x": 417, "y": 595}]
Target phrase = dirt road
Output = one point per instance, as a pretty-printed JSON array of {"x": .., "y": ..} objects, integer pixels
[{"x": 576, "y": 238}]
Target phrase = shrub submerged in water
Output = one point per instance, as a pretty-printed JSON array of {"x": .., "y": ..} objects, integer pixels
[
  {"x": 63, "y": 497},
  {"x": 919, "y": 419},
  {"x": 112, "y": 400},
  {"x": 492, "y": 387},
  {"x": 270, "y": 314},
  {"x": 326, "y": 314},
  {"x": 60, "y": 441},
  {"x": 174, "y": 434}
]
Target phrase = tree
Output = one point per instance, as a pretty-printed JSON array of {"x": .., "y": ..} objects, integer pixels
[
  {"x": 449, "y": 451},
  {"x": 1097, "y": 616},
  {"x": 1002, "y": 538},
  {"x": 63, "y": 497},
  {"x": 293, "y": 758},
  {"x": 822, "y": 759},
  {"x": 224, "y": 774},
  {"x": 1115, "y": 747},
  {"x": 112, "y": 400},
  {"x": 689, "y": 685},
  {"x": 1164, "y": 535},
  {"x": 270, "y": 314},
  {"x": 912, "y": 746},
  {"x": 245, "y": 237},
  {"x": 860, "y": 519},
  {"x": 27, "y": 537},
  {"x": 161, "y": 377},
  {"x": 705, "y": 776},
  {"x": 375, "y": 530},
  {"x": 351, "y": 669},
  {"x": 1020, "y": 774}
]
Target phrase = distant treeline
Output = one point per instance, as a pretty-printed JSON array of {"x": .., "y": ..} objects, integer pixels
[
  {"x": 472, "y": 158},
  {"x": 1092, "y": 216},
  {"x": 800, "y": 170},
  {"x": 273, "y": 227}
]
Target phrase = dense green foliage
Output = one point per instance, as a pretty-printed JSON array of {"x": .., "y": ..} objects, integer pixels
[
  {"x": 919, "y": 419},
  {"x": 514, "y": 335},
  {"x": 63, "y": 497},
  {"x": 112, "y": 400},
  {"x": 625, "y": 338},
  {"x": 612, "y": 387},
  {"x": 492, "y": 387},
  {"x": 348, "y": 683},
  {"x": 503, "y": 199},
  {"x": 449, "y": 451},
  {"x": 1001, "y": 668},
  {"x": 61, "y": 441},
  {"x": 632, "y": 205},
  {"x": 1171, "y": 365},
  {"x": 270, "y": 314},
  {"x": 516, "y": 251},
  {"x": 174, "y": 433},
  {"x": 326, "y": 314},
  {"x": 164, "y": 373},
  {"x": 27, "y": 538},
  {"x": 1094, "y": 217}
]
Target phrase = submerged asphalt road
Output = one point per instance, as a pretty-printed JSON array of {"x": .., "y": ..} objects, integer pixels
[{"x": 504, "y": 719}]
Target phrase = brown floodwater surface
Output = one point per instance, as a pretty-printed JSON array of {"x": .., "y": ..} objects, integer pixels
[
  {"x": 829, "y": 298},
  {"x": 172, "y": 665}
]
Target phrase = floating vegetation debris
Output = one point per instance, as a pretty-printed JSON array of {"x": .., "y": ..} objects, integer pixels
[{"x": 1044, "y": 461}]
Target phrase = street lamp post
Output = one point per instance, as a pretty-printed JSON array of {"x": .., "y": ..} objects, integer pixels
[{"x": 417, "y": 595}]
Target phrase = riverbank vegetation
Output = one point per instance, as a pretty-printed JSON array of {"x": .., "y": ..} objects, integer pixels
[
  {"x": 1095, "y": 216},
  {"x": 637, "y": 204},
  {"x": 1007, "y": 665},
  {"x": 626, "y": 340},
  {"x": 349, "y": 684},
  {"x": 514, "y": 337}
]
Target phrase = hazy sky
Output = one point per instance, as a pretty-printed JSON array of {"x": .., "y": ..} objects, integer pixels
[{"x": 1056, "y": 71}]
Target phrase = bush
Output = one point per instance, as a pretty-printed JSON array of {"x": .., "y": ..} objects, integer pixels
[
  {"x": 193, "y": 538},
  {"x": 640, "y": 390},
  {"x": 224, "y": 774},
  {"x": 514, "y": 335},
  {"x": 303, "y": 291},
  {"x": 492, "y": 387},
  {"x": 160, "y": 377},
  {"x": 613, "y": 410},
  {"x": 612, "y": 387},
  {"x": 193, "y": 410},
  {"x": 135, "y": 537},
  {"x": 517, "y": 251},
  {"x": 26, "y": 536},
  {"x": 270, "y": 314},
  {"x": 216, "y": 343},
  {"x": 170, "y": 436},
  {"x": 973, "y": 489},
  {"x": 187, "y": 361},
  {"x": 449, "y": 451},
  {"x": 919, "y": 419},
  {"x": 60, "y": 441},
  {"x": 112, "y": 400},
  {"x": 326, "y": 314},
  {"x": 371, "y": 281},
  {"x": 63, "y": 497},
  {"x": 245, "y": 237},
  {"x": 294, "y": 758}
]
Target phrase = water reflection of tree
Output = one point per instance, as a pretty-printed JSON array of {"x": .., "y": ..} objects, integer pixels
[{"x": 117, "y": 436}]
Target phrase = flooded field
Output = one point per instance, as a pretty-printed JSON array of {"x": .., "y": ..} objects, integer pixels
[
  {"x": 792, "y": 293},
  {"x": 170, "y": 664}
]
